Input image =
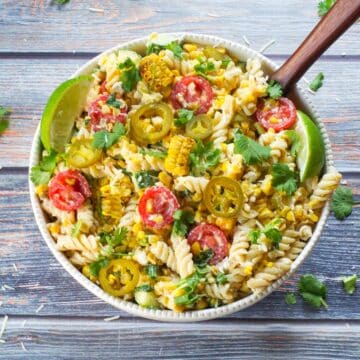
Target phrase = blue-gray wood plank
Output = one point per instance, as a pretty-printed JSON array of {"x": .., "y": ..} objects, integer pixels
[{"x": 40, "y": 46}]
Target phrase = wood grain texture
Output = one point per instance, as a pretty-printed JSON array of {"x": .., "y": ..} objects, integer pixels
[
  {"x": 34, "y": 25},
  {"x": 76, "y": 339},
  {"x": 33, "y": 80},
  {"x": 41, "y": 280}
]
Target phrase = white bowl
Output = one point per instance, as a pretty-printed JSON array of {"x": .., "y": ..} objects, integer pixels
[{"x": 302, "y": 102}]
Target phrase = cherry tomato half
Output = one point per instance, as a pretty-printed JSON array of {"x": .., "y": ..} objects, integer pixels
[
  {"x": 223, "y": 197},
  {"x": 277, "y": 114},
  {"x": 82, "y": 154},
  {"x": 119, "y": 277},
  {"x": 101, "y": 115},
  {"x": 193, "y": 93},
  {"x": 68, "y": 190},
  {"x": 210, "y": 237},
  {"x": 151, "y": 122},
  {"x": 157, "y": 207}
]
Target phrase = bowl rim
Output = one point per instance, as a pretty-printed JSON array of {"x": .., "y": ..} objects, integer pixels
[{"x": 169, "y": 315}]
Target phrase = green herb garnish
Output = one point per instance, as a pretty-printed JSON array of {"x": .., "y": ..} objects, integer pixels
[
  {"x": 182, "y": 220},
  {"x": 4, "y": 121},
  {"x": 203, "y": 157},
  {"x": 160, "y": 154},
  {"x": 204, "y": 257},
  {"x": 274, "y": 89},
  {"x": 221, "y": 278},
  {"x": 312, "y": 291},
  {"x": 342, "y": 202},
  {"x": 76, "y": 229},
  {"x": 173, "y": 46},
  {"x": 349, "y": 283},
  {"x": 146, "y": 178},
  {"x": 97, "y": 265},
  {"x": 184, "y": 116},
  {"x": 324, "y": 6},
  {"x": 130, "y": 75},
  {"x": 145, "y": 287},
  {"x": 317, "y": 83},
  {"x": 252, "y": 151},
  {"x": 290, "y": 299},
  {"x": 152, "y": 271},
  {"x": 204, "y": 68},
  {"x": 295, "y": 142},
  {"x": 103, "y": 139},
  {"x": 283, "y": 179},
  {"x": 41, "y": 174},
  {"x": 112, "y": 101}
]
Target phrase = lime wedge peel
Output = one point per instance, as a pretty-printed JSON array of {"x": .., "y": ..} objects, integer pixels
[
  {"x": 311, "y": 156},
  {"x": 64, "y": 105}
]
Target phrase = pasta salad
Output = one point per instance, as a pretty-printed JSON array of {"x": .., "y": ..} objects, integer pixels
[{"x": 187, "y": 182}]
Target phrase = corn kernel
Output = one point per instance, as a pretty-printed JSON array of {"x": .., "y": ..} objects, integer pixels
[
  {"x": 54, "y": 228},
  {"x": 165, "y": 178},
  {"x": 196, "y": 248},
  {"x": 290, "y": 216},
  {"x": 266, "y": 214},
  {"x": 141, "y": 235},
  {"x": 41, "y": 189},
  {"x": 270, "y": 264},
  {"x": 313, "y": 217},
  {"x": 248, "y": 270},
  {"x": 190, "y": 47}
]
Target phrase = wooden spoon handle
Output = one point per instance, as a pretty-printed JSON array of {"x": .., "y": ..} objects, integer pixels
[{"x": 341, "y": 16}]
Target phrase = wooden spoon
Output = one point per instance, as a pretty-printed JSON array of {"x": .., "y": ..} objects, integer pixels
[{"x": 340, "y": 17}]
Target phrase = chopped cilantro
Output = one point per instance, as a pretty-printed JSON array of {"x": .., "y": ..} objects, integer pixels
[
  {"x": 184, "y": 116},
  {"x": 203, "y": 157},
  {"x": 182, "y": 220},
  {"x": 274, "y": 89},
  {"x": 112, "y": 101},
  {"x": 103, "y": 139},
  {"x": 252, "y": 151},
  {"x": 342, "y": 202},
  {"x": 146, "y": 178},
  {"x": 295, "y": 141},
  {"x": 349, "y": 283},
  {"x": 154, "y": 48},
  {"x": 152, "y": 271},
  {"x": 145, "y": 287},
  {"x": 173, "y": 46},
  {"x": 41, "y": 173},
  {"x": 160, "y": 154},
  {"x": 76, "y": 229},
  {"x": 221, "y": 278},
  {"x": 324, "y": 6},
  {"x": 254, "y": 236},
  {"x": 204, "y": 257},
  {"x": 4, "y": 121},
  {"x": 97, "y": 265},
  {"x": 204, "y": 68},
  {"x": 283, "y": 179},
  {"x": 317, "y": 83},
  {"x": 113, "y": 239},
  {"x": 313, "y": 291},
  {"x": 270, "y": 231},
  {"x": 290, "y": 299},
  {"x": 130, "y": 75},
  {"x": 225, "y": 62}
]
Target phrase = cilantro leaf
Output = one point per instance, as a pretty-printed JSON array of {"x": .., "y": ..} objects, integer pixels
[
  {"x": 112, "y": 101},
  {"x": 103, "y": 139},
  {"x": 283, "y": 179},
  {"x": 130, "y": 75},
  {"x": 113, "y": 239},
  {"x": 274, "y": 89},
  {"x": 290, "y": 299},
  {"x": 204, "y": 257},
  {"x": 324, "y": 6},
  {"x": 203, "y": 157},
  {"x": 254, "y": 236},
  {"x": 76, "y": 229},
  {"x": 176, "y": 48},
  {"x": 154, "y": 153},
  {"x": 4, "y": 121},
  {"x": 342, "y": 202},
  {"x": 221, "y": 278},
  {"x": 251, "y": 151},
  {"x": 274, "y": 235},
  {"x": 97, "y": 265},
  {"x": 154, "y": 48},
  {"x": 152, "y": 271},
  {"x": 184, "y": 116},
  {"x": 145, "y": 287},
  {"x": 295, "y": 141},
  {"x": 182, "y": 220},
  {"x": 41, "y": 173},
  {"x": 146, "y": 178},
  {"x": 225, "y": 62},
  {"x": 204, "y": 68},
  {"x": 349, "y": 283},
  {"x": 312, "y": 291},
  {"x": 317, "y": 83}
]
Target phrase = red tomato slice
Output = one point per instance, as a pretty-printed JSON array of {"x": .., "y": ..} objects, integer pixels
[
  {"x": 157, "y": 207},
  {"x": 193, "y": 93},
  {"x": 99, "y": 119},
  {"x": 68, "y": 190},
  {"x": 210, "y": 237},
  {"x": 277, "y": 114}
]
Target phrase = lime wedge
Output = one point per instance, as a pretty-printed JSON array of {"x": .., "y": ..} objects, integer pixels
[
  {"x": 311, "y": 156},
  {"x": 61, "y": 110}
]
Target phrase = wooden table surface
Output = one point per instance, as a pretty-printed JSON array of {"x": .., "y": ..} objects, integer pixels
[{"x": 42, "y": 45}]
